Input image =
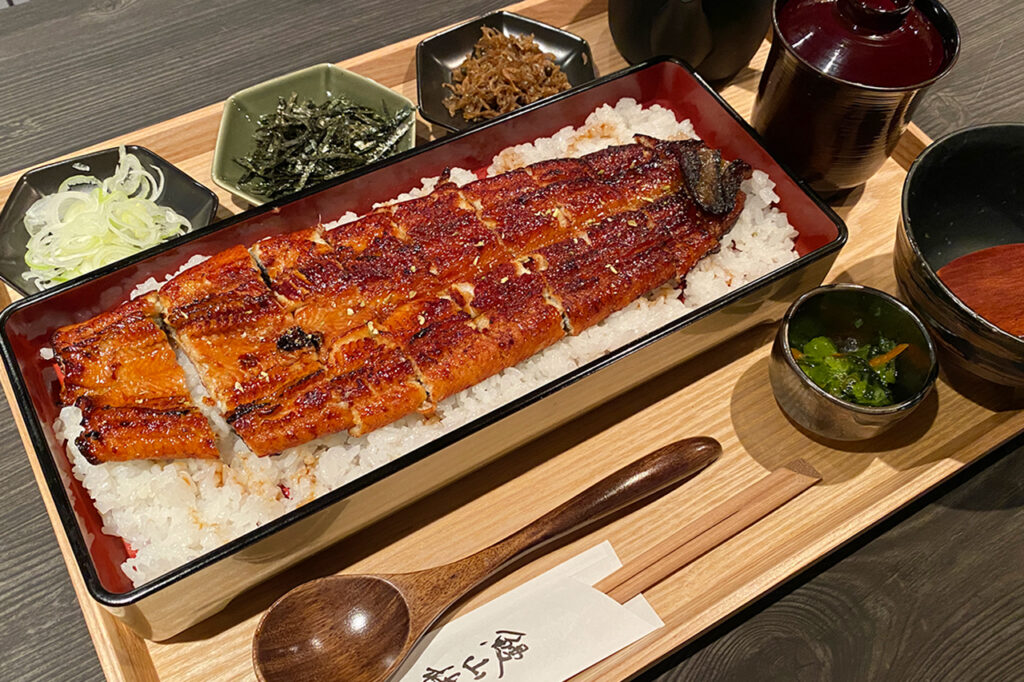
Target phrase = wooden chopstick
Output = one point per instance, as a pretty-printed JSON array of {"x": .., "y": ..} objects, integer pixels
[{"x": 703, "y": 534}]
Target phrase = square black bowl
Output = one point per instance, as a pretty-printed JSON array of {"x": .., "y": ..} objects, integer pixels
[
  {"x": 439, "y": 54},
  {"x": 181, "y": 193}
]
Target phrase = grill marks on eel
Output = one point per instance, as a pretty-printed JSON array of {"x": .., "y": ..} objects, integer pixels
[
  {"x": 120, "y": 370},
  {"x": 321, "y": 331},
  {"x": 255, "y": 362},
  {"x": 404, "y": 270}
]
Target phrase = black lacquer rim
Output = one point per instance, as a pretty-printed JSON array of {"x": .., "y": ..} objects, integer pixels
[
  {"x": 931, "y": 275},
  {"x": 130, "y": 148},
  {"x": 933, "y": 9},
  {"x": 56, "y": 485},
  {"x": 584, "y": 47},
  {"x": 895, "y": 408}
]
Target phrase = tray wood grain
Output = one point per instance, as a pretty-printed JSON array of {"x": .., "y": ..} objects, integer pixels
[{"x": 723, "y": 393}]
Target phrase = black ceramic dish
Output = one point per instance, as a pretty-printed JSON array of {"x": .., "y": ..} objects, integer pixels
[
  {"x": 195, "y": 590},
  {"x": 850, "y": 311},
  {"x": 439, "y": 54},
  {"x": 716, "y": 38},
  {"x": 181, "y": 193},
  {"x": 962, "y": 194}
]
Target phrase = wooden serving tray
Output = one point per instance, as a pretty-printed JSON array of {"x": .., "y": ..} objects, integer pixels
[{"x": 723, "y": 393}]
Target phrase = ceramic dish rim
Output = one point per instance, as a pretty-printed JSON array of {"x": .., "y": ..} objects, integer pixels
[
  {"x": 218, "y": 149},
  {"x": 501, "y": 12},
  {"x": 129, "y": 148}
]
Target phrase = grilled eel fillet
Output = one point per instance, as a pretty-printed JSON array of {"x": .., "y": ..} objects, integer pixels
[
  {"x": 120, "y": 370},
  {"x": 355, "y": 327}
]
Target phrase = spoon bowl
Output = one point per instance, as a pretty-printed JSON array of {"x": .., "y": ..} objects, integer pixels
[
  {"x": 361, "y": 627},
  {"x": 363, "y": 619}
]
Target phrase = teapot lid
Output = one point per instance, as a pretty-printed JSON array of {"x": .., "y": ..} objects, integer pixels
[{"x": 878, "y": 43}]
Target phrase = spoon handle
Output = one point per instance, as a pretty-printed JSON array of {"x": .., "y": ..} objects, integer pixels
[
  {"x": 644, "y": 477},
  {"x": 633, "y": 482}
]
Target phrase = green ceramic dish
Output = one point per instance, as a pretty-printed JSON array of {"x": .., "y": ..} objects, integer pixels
[{"x": 243, "y": 109}]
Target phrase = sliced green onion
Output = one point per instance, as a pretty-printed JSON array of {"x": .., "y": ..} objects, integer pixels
[{"x": 88, "y": 223}]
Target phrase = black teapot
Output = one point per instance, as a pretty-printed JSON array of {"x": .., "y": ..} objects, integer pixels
[{"x": 716, "y": 37}]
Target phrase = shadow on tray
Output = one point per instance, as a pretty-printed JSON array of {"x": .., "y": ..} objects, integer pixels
[{"x": 506, "y": 468}]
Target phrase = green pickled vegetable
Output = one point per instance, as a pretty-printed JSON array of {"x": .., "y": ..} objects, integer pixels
[
  {"x": 304, "y": 143},
  {"x": 863, "y": 374}
]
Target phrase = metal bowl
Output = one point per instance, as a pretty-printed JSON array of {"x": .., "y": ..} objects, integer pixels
[
  {"x": 962, "y": 194},
  {"x": 860, "y": 313}
]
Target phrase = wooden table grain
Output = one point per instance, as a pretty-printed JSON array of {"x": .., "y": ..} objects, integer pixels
[{"x": 937, "y": 593}]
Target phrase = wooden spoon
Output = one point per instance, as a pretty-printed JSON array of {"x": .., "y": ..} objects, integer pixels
[
  {"x": 361, "y": 627},
  {"x": 991, "y": 283}
]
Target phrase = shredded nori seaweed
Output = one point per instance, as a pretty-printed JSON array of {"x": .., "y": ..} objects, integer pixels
[{"x": 304, "y": 143}]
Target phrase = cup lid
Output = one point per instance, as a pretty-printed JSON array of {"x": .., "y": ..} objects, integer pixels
[{"x": 880, "y": 43}]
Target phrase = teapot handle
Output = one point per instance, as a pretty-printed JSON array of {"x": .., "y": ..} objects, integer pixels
[{"x": 681, "y": 29}]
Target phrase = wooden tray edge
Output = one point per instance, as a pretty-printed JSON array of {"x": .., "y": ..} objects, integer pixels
[
  {"x": 764, "y": 584},
  {"x": 124, "y": 655},
  {"x": 911, "y": 143},
  {"x": 117, "y": 647}
]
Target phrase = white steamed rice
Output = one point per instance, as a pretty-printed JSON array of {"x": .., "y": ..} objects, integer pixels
[{"x": 172, "y": 511}]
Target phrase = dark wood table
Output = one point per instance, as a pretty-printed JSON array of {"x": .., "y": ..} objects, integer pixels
[{"x": 935, "y": 593}]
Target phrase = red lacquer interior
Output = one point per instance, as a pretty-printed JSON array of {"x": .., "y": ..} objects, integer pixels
[{"x": 664, "y": 83}]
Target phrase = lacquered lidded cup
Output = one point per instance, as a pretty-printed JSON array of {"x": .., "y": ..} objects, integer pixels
[{"x": 842, "y": 80}]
